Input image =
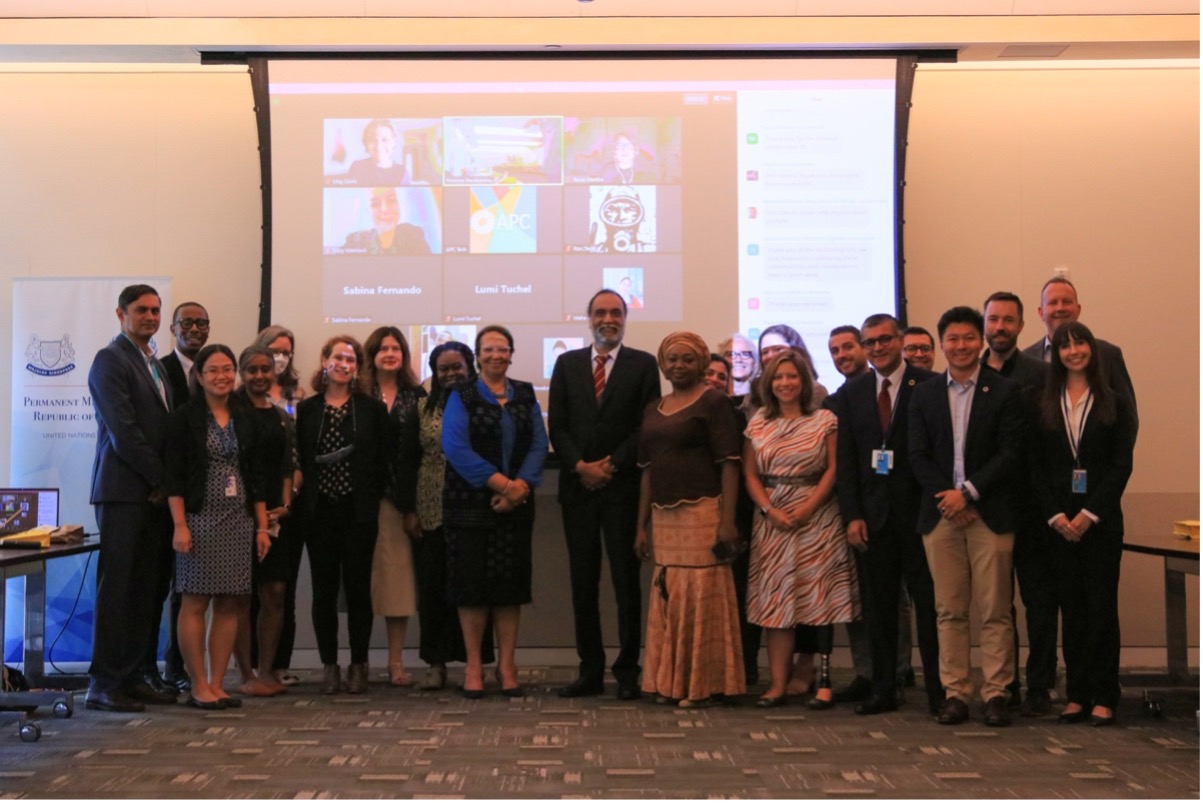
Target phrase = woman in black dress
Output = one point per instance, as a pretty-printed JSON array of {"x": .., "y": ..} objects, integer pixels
[{"x": 343, "y": 438}]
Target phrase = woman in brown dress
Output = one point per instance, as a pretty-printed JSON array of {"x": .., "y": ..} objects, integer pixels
[{"x": 689, "y": 450}]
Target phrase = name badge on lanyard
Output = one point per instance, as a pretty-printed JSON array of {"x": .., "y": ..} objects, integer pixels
[
  {"x": 882, "y": 460},
  {"x": 231, "y": 485},
  {"x": 1079, "y": 481},
  {"x": 1078, "y": 477}
]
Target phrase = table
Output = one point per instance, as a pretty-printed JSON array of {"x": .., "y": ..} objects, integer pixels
[{"x": 1181, "y": 558}]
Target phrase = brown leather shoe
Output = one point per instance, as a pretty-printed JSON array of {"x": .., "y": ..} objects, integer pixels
[
  {"x": 954, "y": 712},
  {"x": 995, "y": 712}
]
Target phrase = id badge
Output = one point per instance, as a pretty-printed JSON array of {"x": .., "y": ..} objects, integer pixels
[
  {"x": 1079, "y": 481},
  {"x": 883, "y": 461},
  {"x": 231, "y": 485}
]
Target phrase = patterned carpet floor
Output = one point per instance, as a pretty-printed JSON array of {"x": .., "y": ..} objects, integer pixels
[{"x": 403, "y": 743}]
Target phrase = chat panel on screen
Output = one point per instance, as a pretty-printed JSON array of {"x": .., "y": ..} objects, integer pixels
[
  {"x": 503, "y": 150},
  {"x": 371, "y": 221},
  {"x": 622, "y": 150},
  {"x": 382, "y": 152}
]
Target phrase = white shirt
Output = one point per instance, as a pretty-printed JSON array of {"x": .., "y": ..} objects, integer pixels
[
  {"x": 1075, "y": 419},
  {"x": 960, "y": 403},
  {"x": 609, "y": 366},
  {"x": 895, "y": 383},
  {"x": 185, "y": 362}
]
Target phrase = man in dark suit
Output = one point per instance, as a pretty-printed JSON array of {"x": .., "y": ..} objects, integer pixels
[
  {"x": 879, "y": 503},
  {"x": 190, "y": 326},
  {"x": 1032, "y": 558},
  {"x": 1058, "y": 305},
  {"x": 132, "y": 398},
  {"x": 965, "y": 443},
  {"x": 595, "y": 409}
]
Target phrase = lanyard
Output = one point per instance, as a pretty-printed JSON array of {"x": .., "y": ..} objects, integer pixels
[{"x": 1075, "y": 441}]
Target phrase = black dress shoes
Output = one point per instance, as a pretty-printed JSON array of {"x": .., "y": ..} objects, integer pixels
[
  {"x": 954, "y": 712},
  {"x": 1072, "y": 717},
  {"x": 157, "y": 683},
  {"x": 143, "y": 692},
  {"x": 994, "y": 712},
  {"x": 1037, "y": 703},
  {"x": 859, "y": 689},
  {"x": 877, "y": 704},
  {"x": 771, "y": 702},
  {"x": 112, "y": 701},
  {"x": 582, "y": 687},
  {"x": 628, "y": 690},
  {"x": 211, "y": 705},
  {"x": 1098, "y": 721},
  {"x": 178, "y": 680}
]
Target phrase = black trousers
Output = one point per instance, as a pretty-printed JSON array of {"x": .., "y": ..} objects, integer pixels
[
  {"x": 290, "y": 527},
  {"x": 896, "y": 553},
  {"x": 609, "y": 519},
  {"x": 134, "y": 537},
  {"x": 441, "y": 639},
  {"x": 1088, "y": 590},
  {"x": 1036, "y": 574},
  {"x": 340, "y": 551}
]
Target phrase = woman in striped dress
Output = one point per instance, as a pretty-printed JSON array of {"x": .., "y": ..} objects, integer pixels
[{"x": 801, "y": 570}]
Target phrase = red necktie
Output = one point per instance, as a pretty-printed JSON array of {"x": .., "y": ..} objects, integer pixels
[
  {"x": 884, "y": 408},
  {"x": 599, "y": 374}
]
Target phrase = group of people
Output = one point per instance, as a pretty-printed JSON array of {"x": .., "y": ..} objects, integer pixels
[{"x": 765, "y": 505}]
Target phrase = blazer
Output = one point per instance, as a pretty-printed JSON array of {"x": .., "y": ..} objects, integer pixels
[
  {"x": 131, "y": 422},
  {"x": 862, "y": 492},
  {"x": 181, "y": 391},
  {"x": 375, "y": 443},
  {"x": 1106, "y": 454},
  {"x": 187, "y": 464},
  {"x": 993, "y": 447},
  {"x": 582, "y": 427},
  {"x": 1111, "y": 357}
]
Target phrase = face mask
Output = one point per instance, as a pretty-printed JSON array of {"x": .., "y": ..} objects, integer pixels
[{"x": 281, "y": 363}]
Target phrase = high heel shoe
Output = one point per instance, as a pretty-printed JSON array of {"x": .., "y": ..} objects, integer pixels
[
  {"x": 509, "y": 691},
  {"x": 1072, "y": 717}
]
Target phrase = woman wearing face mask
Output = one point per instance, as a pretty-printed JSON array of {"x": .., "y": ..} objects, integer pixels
[
  {"x": 278, "y": 450},
  {"x": 442, "y": 638},
  {"x": 215, "y": 490},
  {"x": 343, "y": 435}
]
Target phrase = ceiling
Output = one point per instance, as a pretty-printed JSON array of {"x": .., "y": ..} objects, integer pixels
[{"x": 179, "y": 31}]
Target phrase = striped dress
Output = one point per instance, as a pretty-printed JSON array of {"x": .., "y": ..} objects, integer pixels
[{"x": 804, "y": 576}]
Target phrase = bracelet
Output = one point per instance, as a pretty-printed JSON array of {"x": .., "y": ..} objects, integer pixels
[
  {"x": 269, "y": 532},
  {"x": 506, "y": 489}
]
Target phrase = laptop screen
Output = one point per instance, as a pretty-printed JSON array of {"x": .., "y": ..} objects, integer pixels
[{"x": 23, "y": 509}]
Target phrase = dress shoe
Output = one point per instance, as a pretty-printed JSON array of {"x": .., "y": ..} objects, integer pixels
[
  {"x": 1072, "y": 717},
  {"x": 772, "y": 702},
  {"x": 357, "y": 679},
  {"x": 994, "y": 712},
  {"x": 180, "y": 681},
  {"x": 142, "y": 691},
  {"x": 1037, "y": 703},
  {"x": 230, "y": 702},
  {"x": 112, "y": 701},
  {"x": 877, "y": 704},
  {"x": 157, "y": 683},
  {"x": 859, "y": 689},
  {"x": 954, "y": 712},
  {"x": 582, "y": 687},
  {"x": 1097, "y": 721},
  {"x": 628, "y": 690},
  {"x": 817, "y": 703},
  {"x": 212, "y": 705},
  {"x": 471, "y": 694},
  {"x": 331, "y": 680}
]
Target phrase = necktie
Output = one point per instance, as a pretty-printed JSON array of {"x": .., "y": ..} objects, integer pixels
[
  {"x": 884, "y": 408},
  {"x": 599, "y": 374}
]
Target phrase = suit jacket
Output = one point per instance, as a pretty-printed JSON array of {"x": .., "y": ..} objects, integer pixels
[
  {"x": 1105, "y": 452},
  {"x": 131, "y": 422},
  {"x": 187, "y": 463},
  {"x": 181, "y": 390},
  {"x": 375, "y": 443},
  {"x": 862, "y": 492},
  {"x": 582, "y": 427},
  {"x": 1111, "y": 358},
  {"x": 993, "y": 448}
]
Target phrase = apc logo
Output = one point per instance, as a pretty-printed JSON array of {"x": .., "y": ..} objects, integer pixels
[
  {"x": 50, "y": 357},
  {"x": 485, "y": 221}
]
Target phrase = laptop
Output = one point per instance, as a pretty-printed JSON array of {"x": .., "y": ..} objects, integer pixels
[{"x": 23, "y": 509}]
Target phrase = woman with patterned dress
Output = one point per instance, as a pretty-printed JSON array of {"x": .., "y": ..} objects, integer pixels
[
  {"x": 495, "y": 444},
  {"x": 442, "y": 638},
  {"x": 215, "y": 490},
  {"x": 689, "y": 451},
  {"x": 345, "y": 442},
  {"x": 801, "y": 571},
  {"x": 393, "y": 594}
]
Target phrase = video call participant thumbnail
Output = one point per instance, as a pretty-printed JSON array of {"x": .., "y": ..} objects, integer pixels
[
  {"x": 387, "y": 234},
  {"x": 503, "y": 150}
]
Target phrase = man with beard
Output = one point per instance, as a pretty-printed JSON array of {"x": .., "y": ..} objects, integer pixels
[
  {"x": 595, "y": 409},
  {"x": 742, "y": 354},
  {"x": 847, "y": 354},
  {"x": 1032, "y": 560}
]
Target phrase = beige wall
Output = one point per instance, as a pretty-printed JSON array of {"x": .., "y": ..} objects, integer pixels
[{"x": 1010, "y": 173}]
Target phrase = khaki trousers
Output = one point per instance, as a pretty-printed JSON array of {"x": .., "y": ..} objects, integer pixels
[{"x": 972, "y": 564}]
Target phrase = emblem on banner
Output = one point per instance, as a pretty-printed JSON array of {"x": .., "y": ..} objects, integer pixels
[{"x": 50, "y": 357}]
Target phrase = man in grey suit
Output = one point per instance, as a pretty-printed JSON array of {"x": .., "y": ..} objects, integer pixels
[
  {"x": 595, "y": 410},
  {"x": 132, "y": 399}
]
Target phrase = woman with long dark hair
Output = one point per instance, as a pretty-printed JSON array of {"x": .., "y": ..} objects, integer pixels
[
  {"x": 1083, "y": 458},
  {"x": 343, "y": 435}
]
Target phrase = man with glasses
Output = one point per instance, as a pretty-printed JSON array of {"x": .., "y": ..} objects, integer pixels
[
  {"x": 879, "y": 504},
  {"x": 742, "y": 354},
  {"x": 190, "y": 326},
  {"x": 919, "y": 348}
]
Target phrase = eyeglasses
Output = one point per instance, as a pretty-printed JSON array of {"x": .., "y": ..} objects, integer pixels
[
  {"x": 188, "y": 323},
  {"x": 880, "y": 340},
  {"x": 743, "y": 355},
  {"x": 913, "y": 349}
]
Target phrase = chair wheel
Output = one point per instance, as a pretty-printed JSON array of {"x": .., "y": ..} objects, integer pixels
[
  {"x": 62, "y": 710},
  {"x": 30, "y": 732}
]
